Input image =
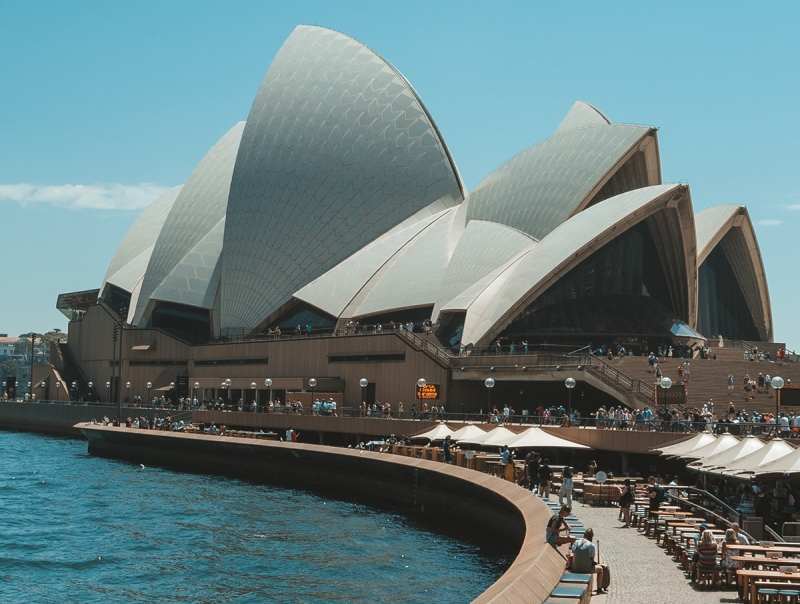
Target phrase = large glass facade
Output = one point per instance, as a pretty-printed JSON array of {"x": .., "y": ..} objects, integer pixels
[
  {"x": 186, "y": 322},
  {"x": 722, "y": 307},
  {"x": 303, "y": 314},
  {"x": 618, "y": 292}
]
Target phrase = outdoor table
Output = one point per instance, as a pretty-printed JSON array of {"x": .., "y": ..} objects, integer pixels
[
  {"x": 749, "y": 562},
  {"x": 778, "y": 547},
  {"x": 748, "y": 577}
]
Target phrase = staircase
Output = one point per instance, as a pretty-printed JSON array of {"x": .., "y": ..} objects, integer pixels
[
  {"x": 709, "y": 378},
  {"x": 641, "y": 390}
]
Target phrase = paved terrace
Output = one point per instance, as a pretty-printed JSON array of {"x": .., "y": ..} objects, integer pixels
[{"x": 641, "y": 571}]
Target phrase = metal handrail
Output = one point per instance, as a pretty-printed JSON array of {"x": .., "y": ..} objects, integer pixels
[
  {"x": 733, "y": 513},
  {"x": 643, "y": 391}
]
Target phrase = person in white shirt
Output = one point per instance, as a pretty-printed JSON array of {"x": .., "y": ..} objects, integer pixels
[{"x": 784, "y": 422}]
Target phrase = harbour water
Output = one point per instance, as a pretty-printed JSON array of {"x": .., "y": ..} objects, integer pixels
[{"x": 79, "y": 528}]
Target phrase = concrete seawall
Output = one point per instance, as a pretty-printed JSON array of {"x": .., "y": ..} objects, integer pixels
[
  {"x": 50, "y": 419},
  {"x": 478, "y": 501}
]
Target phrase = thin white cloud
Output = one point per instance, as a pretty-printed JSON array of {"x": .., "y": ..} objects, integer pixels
[
  {"x": 95, "y": 197},
  {"x": 769, "y": 222},
  {"x": 794, "y": 206}
]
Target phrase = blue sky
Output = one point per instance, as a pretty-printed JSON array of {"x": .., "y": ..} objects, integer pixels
[{"x": 104, "y": 104}]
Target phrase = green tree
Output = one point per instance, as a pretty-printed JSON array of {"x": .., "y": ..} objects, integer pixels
[{"x": 8, "y": 368}]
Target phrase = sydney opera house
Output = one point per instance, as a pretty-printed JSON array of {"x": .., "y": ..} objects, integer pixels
[{"x": 336, "y": 210}]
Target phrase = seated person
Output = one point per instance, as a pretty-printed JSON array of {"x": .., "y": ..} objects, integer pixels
[
  {"x": 584, "y": 562},
  {"x": 556, "y": 525},
  {"x": 729, "y": 544},
  {"x": 706, "y": 553},
  {"x": 739, "y": 536}
]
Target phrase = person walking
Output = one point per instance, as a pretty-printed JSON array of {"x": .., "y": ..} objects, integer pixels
[
  {"x": 545, "y": 474},
  {"x": 566, "y": 487}
]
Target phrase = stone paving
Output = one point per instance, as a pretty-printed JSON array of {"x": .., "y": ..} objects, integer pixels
[{"x": 641, "y": 571}]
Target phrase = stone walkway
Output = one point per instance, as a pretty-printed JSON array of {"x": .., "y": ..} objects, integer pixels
[{"x": 641, "y": 571}]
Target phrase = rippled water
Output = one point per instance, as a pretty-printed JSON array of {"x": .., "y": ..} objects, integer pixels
[{"x": 78, "y": 528}]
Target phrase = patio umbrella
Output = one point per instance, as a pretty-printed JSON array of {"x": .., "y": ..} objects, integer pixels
[
  {"x": 439, "y": 432},
  {"x": 786, "y": 465},
  {"x": 773, "y": 450},
  {"x": 695, "y": 442},
  {"x": 746, "y": 446},
  {"x": 497, "y": 437},
  {"x": 467, "y": 432},
  {"x": 722, "y": 443},
  {"x": 538, "y": 438}
]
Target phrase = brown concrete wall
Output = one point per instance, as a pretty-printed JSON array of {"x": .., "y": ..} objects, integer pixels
[
  {"x": 623, "y": 441},
  {"x": 313, "y": 423},
  {"x": 295, "y": 360},
  {"x": 480, "y": 501}
]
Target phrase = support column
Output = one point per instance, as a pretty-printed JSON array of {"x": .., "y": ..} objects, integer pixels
[{"x": 626, "y": 462}]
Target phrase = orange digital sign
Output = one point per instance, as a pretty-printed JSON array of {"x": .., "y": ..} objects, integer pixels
[{"x": 428, "y": 391}]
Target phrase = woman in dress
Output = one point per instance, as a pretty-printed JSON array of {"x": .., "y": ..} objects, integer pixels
[
  {"x": 729, "y": 544},
  {"x": 625, "y": 502}
]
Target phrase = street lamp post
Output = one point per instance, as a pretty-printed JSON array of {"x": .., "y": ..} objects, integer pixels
[
  {"x": 173, "y": 397},
  {"x": 253, "y": 387},
  {"x": 42, "y": 387},
  {"x": 33, "y": 351},
  {"x": 73, "y": 391},
  {"x": 149, "y": 385},
  {"x": 4, "y": 388},
  {"x": 268, "y": 384},
  {"x": 90, "y": 385},
  {"x": 30, "y": 392},
  {"x": 363, "y": 382},
  {"x": 312, "y": 382},
  {"x": 489, "y": 383},
  {"x": 570, "y": 384},
  {"x": 127, "y": 398},
  {"x": 777, "y": 384},
  {"x": 196, "y": 386},
  {"x": 665, "y": 384},
  {"x": 108, "y": 391},
  {"x": 58, "y": 385}
]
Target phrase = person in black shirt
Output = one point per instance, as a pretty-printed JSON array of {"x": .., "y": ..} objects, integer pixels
[
  {"x": 532, "y": 463},
  {"x": 545, "y": 474}
]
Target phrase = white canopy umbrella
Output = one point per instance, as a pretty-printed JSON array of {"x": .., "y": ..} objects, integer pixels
[
  {"x": 773, "y": 450},
  {"x": 467, "y": 432},
  {"x": 746, "y": 446},
  {"x": 695, "y": 442},
  {"x": 440, "y": 432},
  {"x": 538, "y": 438},
  {"x": 497, "y": 437},
  {"x": 788, "y": 464},
  {"x": 722, "y": 443}
]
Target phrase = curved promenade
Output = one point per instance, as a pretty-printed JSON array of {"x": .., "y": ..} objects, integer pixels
[{"x": 480, "y": 501}]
